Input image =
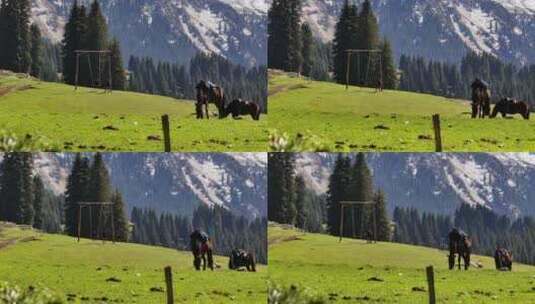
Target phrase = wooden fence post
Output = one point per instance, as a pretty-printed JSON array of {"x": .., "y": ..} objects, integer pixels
[
  {"x": 438, "y": 135},
  {"x": 166, "y": 133},
  {"x": 431, "y": 284},
  {"x": 169, "y": 284}
]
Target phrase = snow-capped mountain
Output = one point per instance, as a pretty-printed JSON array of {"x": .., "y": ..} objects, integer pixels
[
  {"x": 440, "y": 182},
  {"x": 175, "y": 182},
  {"x": 444, "y": 29},
  {"x": 173, "y": 30}
]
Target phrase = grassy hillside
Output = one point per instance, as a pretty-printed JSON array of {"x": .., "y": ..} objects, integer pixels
[
  {"x": 360, "y": 119},
  {"x": 84, "y": 269},
  {"x": 357, "y": 272},
  {"x": 75, "y": 120}
]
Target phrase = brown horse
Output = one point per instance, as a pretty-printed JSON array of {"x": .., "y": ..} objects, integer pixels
[
  {"x": 480, "y": 102},
  {"x": 460, "y": 245},
  {"x": 241, "y": 107},
  {"x": 208, "y": 93},
  {"x": 240, "y": 258},
  {"x": 510, "y": 106},
  {"x": 480, "y": 99},
  {"x": 201, "y": 248},
  {"x": 503, "y": 259}
]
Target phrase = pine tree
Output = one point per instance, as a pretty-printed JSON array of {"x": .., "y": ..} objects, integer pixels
[
  {"x": 16, "y": 188},
  {"x": 300, "y": 203},
  {"x": 15, "y": 36},
  {"x": 38, "y": 202},
  {"x": 77, "y": 191},
  {"x": 345, "y": 38},
  {"x": 119, "y": 216},
  {"x": 363, "y": 192},
  {"x": 338, "y": 191},
  {"x": 117, "y": 69},
  {"x": 278, "y": 34},
  {"x": 307, "y": 49},
  {"x": 281, "y": 188},
  {"x": 95, "y": 38},
  {"x": 72, "y": 41},
  {"x": 284, "y": 38},
  {"x": 36, "y": 51},
  {"x": 389, "y": 70},
  {"x": 368, "y": 39},
  {"x": 381, "y": 217}
]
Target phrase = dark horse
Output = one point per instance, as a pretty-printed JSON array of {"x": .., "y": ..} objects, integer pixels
[
  {"x": 460, "y": 244},
  {"x": 510, "y": 106},
  {"x": 241, "y": 107},
  {"x": 208, "y": 93},
  {"x": 241, "y": 258},
  {"x": 503, "y": 259},
  {"x": 480, "y": 99},
  {"x": 201, "y": 248}
]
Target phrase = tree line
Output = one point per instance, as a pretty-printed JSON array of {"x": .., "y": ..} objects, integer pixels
[
  {"x": 227, "y": 230},
  {"x": 23, "y": 197},
  {"x": 21, "y": 41},
  {"x": 179, "y": 81},
  {"x": 291, "y": 46},
  {"x": 486, "y": 229},
  {"x": 454, "y": 80},
  {"x": 289, "y": 200}
]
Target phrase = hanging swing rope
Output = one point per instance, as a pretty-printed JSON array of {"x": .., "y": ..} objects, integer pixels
[
  {"x": 371, "y": 53},
  {"x": 88, "y": 54}
]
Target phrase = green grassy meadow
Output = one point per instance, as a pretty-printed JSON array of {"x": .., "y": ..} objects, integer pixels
[
  {"x": 82, "y": 271},
  {"x": 360, "y": 119},
  {"x": 356, "y": 272},
  {"x": 69, "y": 120}
]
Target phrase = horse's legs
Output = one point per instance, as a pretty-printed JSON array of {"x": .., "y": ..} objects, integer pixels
[
  {"x": 466, "y": 260},
  {"x": 206, "y": 110},
  {"x": 210, "y": 260},
  {"x": 459, "y": 261}
]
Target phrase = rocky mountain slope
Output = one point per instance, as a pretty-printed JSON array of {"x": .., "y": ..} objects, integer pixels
[
  {"x": 173, "y": 30},
  {"x": 440, "y": 182},
  {"x": 444, "y": 29},
  {"x": 175, "y": 182}
]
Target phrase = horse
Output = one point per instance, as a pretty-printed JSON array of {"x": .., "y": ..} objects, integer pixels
[
  {"x": 460, "y": 244},
  {"x": 208, "y": 93},
  {"x": 201, "y": 248},
  {"x": 240, "y": 258},
  {"x": 242, "y": 107},
  {"x": 480, "y": 99},
  {"x": 510, "y": 106},
  {"x": 503, "y": 259}
]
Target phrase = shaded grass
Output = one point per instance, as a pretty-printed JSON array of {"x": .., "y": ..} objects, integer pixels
[
  {"x": 356, "y": 272},
  {"x": 361, "y": 120},
  {"x": 84, "y": 269}
]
